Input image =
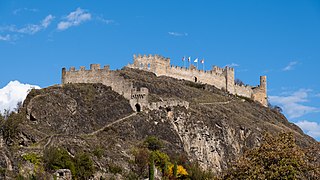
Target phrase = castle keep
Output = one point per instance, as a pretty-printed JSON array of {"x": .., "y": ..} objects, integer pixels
[{"x": 222, "y": 78}]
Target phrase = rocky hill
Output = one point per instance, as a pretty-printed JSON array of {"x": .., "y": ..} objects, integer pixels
[{"x": 92, "y": 119}]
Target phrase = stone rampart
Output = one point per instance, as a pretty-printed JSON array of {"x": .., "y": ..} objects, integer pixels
[
  {"x": 169, "y": 103},
  {"x": 137, "y": 96},
  {"x": 245, "y": 91},
  {"x": 97, "y": 75},
  {"x": 222, "y": 78}
]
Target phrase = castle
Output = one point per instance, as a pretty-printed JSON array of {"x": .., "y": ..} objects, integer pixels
[{"x": 222, "y": 78}]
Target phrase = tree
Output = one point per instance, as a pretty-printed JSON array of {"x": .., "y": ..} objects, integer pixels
[
  {"x": 141, "y": 159},
  {"x": 18, "y": 107},
  {"x": 277, "y": 158},
  {"x": 275, "y": 107},
  {"x": 151, "y": 168},
  {"x": 238, "y": 82},
  {"x": 58, "y": 158},
  {"x": 175, "y": 170},
  {"x": 84, "y": 166},
  {"x": 153, "y": 143}
]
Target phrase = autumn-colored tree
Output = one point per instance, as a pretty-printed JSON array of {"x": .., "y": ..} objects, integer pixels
[
  {"x": 277, "y": 158},
  {"x": 177, "y": 171},
  {"x": 142, "y": 156}
]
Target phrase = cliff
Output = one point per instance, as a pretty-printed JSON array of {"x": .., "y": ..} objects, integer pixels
[{"x": 213, "y": 131}]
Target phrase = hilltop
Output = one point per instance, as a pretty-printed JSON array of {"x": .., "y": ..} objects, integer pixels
[{"x": 91, "y": 121}]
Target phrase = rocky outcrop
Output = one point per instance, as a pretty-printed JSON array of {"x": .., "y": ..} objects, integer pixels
[{"x": 214, "y": 130}]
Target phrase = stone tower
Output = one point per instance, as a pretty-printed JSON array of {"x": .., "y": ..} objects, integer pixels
[
  {"x": 263, "y": 83},
  {"x": 229, "y": 73}
]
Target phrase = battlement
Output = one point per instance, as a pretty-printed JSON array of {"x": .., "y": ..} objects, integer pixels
[
  {"x": 222, "y": 78},
  {"x": 93, "y": 67},
  {"x": 141, "y": 90},
  {"x": 150, "y": 57}
]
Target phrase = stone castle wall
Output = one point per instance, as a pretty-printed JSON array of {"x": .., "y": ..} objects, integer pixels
[
  {"x": 98, "y": 75},
  {"x": 137, "y": 96},
  {"x": 222, "y": 78}
]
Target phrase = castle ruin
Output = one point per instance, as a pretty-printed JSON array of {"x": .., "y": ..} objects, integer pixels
[{"x": 222, "y": 78}]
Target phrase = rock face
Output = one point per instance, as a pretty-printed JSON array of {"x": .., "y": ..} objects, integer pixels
[
  {"x": 76, "y": 109},
  {"x": 213, "y": 131}
]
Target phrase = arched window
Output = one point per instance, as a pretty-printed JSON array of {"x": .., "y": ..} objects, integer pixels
[{"x": 149, "y": 66}]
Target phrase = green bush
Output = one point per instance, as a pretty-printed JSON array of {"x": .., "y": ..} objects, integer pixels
[
  {"x": 196, "y": 172},
  {"x": 153, "y": 143},
  {"x": 10, "y": 127},
  {"x": 195, "y": 85},
  {"x": 84, "y": 166},
  {"x": 115, "y": 169},
  {"x": 98, "y": 152},
  {"x": 81, "y": 166},
  {"x": 56, "y": 158},
  {"x": 32, "y": 158},
  {"x": 277, "y": 158}
]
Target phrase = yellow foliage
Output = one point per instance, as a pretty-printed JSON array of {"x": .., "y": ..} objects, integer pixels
[{"x": 181, "y": 171}]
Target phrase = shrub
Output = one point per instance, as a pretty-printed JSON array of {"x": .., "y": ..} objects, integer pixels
[
  {"x": 115, "y": 169},
  {"x": 81, "y": 166},
  {"x": 84, "y": 166},
  {"x": 276, "y": 158},
  {"x": 32, "y": 158},
  {"x": 11, "y": 124},
  {"x": 177, "y": 171},
  {"x": 98, "y": 152},
  {"x": 141, "y": 160},
  {"x": 160, "y": 159},
  {"x": 56, "y": 158},
  {"x": 238, "y": 82},
  {"x": 195, "y": 172},
  {"x": 153, "y": 143}
]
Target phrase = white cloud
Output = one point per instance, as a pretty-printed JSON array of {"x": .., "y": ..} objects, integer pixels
[
  {"x": 18, "y": 11},
  {"x": 232, "y": 65},
  {"x": 292, "y": 104},
  {"x": 34, "y": 28},
  {"x": 13, "y": 93},
  {"x": 75, "y": 18},
  {"x": 5, "y": 38},
  {"x": 290, "y": 66},
  {"x": 177, "y": 34},
  {"x": 30, "y": 28},
  {"x": 106, "y": 21},
  {"x": 310, "y": 128}
]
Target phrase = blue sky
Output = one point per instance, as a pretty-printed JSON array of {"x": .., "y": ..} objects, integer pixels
[{"x": 280, "y": 39}]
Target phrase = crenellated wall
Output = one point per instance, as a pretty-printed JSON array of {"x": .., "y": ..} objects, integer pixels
[
  {"x": 137, "y": 96},
  {"x": 97, "y": 75},
  {"x": 222, "y": 78}
]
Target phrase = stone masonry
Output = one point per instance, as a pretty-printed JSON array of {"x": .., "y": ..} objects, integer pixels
[
  {"x": 222, "y": 78},
  {"x": 137, "y": 96}
]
